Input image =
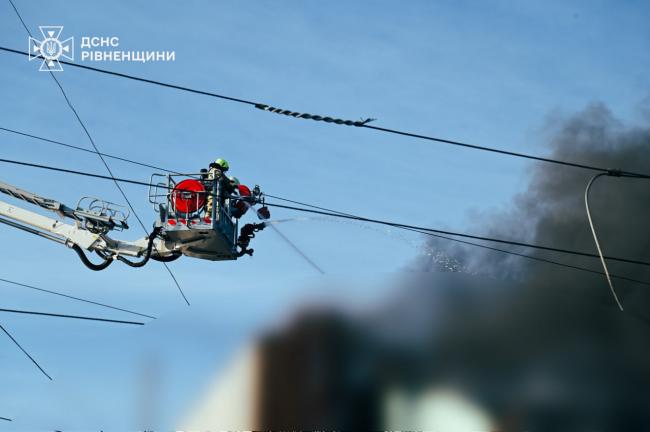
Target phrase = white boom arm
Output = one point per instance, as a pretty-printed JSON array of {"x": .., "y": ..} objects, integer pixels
[
  {"x": 88, "y": 231},
  {"x": 51, "y": 228}
]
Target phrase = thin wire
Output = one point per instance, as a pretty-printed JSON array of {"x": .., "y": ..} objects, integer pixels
[
  {"x": 358, "y": 124},
  {"x": 344, "y": 215},
  {"x": 437, "y": 231},
  {"x": 76, "y": 172},
  {"x": 145, "y": 80},
  {"x": 78, "y": 317},
  {"x": 495, "y": 150},
  {"x": 593, "y": 231},
  {"x": 286, "y": 239},
  {"x": 90, "y": 138},
  {"x": 531, "y": 257},
  {"x": 297, "y": 249},
  {"x": 123, "y": 159},
  {"x": 25, "y": 352},
  {"x": 5, "y": 419},
  {"x": 76, "y": 298}
]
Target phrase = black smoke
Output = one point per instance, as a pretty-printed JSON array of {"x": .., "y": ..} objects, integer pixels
[{"x": 539, "y": 345}]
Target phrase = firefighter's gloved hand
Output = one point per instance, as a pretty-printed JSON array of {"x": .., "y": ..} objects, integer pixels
[{"x": 264, "y": 213}]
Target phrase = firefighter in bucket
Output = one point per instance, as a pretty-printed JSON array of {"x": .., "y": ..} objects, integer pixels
[{"x": 217, "y": 170}]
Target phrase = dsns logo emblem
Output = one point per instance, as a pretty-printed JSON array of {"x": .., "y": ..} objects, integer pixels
[{"x": 51, "y": 48}]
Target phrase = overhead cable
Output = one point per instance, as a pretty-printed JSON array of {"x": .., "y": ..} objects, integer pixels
[
  {"x": 333, "y": 120},
  {"x": 75, "y": 298}
]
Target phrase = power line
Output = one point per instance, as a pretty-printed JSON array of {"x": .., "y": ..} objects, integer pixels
[
  {"x": 499, "y": 151},
  {"x": 59, "y": 143},
  {"x": 531, "y": 257},
  {"x": 25, "y": 352},
  {"x": 363, "y": 123},
  {"x": 475, "y": 237},
  {"x": 5, "y": 419},
  {"x": 353, "y": 217},
  {"x": 78, "y": 317},
  {"x": 298, "y": 250},
  {"x": 92, "y": 142},
  {"x": 145, "y": 80},
  {"x": 76, "y": 298},
  {"x": 69, "y": 171}
]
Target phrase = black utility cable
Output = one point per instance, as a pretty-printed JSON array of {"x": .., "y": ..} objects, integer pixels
[
  {"x": 5, "y": 419},
  {"x": 345, "y": 216},
  {"x": 362, "y": 123},
  {"x": 76, "y": 298},
  {"x": 92, "y": 142},
  {"x": 531, "y": 257},
  {"x": 510, "y": 242},
  {"x": 59, "y": 143},
  {"x": 69, "y": 171},
  {"x": 25, "y": 352},
  {"x": 145, "y": 80},
  {"x": 293, "y": 246},
  {"x": 499, "y": 151},
  {"x": 78, "y": 317}
]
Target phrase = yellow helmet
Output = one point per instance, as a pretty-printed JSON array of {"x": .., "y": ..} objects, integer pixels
[{"x": 222, "y": 163}]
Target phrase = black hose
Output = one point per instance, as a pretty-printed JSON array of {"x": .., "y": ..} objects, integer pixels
[
  {"x": 147, "y": 255},
  {"x": 167, "y": 258},
  {"x": 134, "y": 264},
  {"x": 88, "y": 263}
]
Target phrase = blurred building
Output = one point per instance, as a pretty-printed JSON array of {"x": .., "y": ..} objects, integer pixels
[
  {"x": 323, "y": 371},
  {"x": 458, "y": 353}
]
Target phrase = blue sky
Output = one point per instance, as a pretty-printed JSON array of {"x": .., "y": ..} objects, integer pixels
[{"x": 489, "y": 73}]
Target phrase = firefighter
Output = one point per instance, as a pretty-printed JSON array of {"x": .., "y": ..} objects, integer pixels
[
  {"x": 241, "y": 198},
  {"x": 217, "y": 170}
]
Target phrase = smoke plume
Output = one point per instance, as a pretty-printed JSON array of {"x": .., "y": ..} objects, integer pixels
[{"x": 541, "y": 345}]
